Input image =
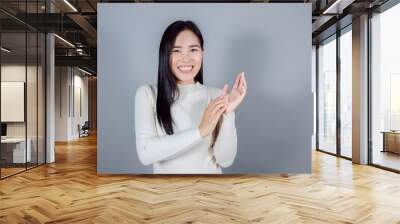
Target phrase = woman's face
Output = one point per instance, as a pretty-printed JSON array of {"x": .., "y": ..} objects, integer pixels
[{"x": 186, "y": 57}]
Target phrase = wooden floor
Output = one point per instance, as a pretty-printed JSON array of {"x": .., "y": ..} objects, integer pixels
[
  {"x": 5, "y": 172},
  {"x": 70, "y": 191},
  {"x": 387, "y": 159}
]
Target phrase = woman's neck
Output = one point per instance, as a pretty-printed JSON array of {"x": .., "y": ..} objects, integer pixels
[
  {"x": 186, "y": 82},
  {"x": 187, "y": 87}
]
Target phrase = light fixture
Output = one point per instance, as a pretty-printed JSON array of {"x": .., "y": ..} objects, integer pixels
[
  {"x": 84, "y": 71},
  {"x": 64, "y": 40},
  {"x": 79, "y": 51},
  {"x": 331, "y": 7},
  {"x": 5, "y": 50},
  {"x": 70, "y": 5},
  {"x": 337, "y": 7}
]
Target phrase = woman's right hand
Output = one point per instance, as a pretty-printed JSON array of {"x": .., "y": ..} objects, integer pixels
[{"x": 211, "y": 115}]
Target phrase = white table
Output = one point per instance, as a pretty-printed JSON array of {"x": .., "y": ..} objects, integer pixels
[{"x": 19, "y": 149}]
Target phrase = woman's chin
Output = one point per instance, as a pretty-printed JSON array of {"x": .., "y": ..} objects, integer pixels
[{"x": 186, "y": 78}]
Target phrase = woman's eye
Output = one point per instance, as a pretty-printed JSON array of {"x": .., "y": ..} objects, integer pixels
[{"x": 194, "y": 49}]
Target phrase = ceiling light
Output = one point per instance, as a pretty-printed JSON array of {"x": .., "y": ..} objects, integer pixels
[
  {"x": 84, "y": 71},
  {"x": 338, "y": 6},
  {"x": 331, "y": 7},
  {"x": 65, "y": 41},
  {"x": 5, "y": 50},
  {"x": 70, "y": 5}
]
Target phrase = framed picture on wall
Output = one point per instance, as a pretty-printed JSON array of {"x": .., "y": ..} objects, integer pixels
[{"x": 12, "y": 101}]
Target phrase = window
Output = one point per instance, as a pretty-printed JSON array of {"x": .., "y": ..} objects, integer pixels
[
  {"x": 327, "y": 96},
  {"x": 385, "y": 88},
  {"x": 346, "y": 92}
]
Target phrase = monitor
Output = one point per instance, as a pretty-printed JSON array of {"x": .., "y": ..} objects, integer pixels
[{"x": 3, "y": 129}]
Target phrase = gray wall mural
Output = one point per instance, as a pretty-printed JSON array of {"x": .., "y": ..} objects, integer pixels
[{"x": 270, "y": 42}]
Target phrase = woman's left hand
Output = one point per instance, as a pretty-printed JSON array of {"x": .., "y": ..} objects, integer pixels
[{"x": 237, "y": 93}]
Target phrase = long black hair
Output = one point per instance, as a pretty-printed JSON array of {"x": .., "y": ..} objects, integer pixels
[{"x": 166, "y": 84}]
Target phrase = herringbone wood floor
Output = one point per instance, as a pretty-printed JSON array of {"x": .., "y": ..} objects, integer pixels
[{"x": 70, "y": 191}]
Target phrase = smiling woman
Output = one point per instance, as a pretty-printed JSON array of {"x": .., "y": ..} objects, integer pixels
[
  {"x": 186, "y": 57},
  {"x": 183, "y": 126}
]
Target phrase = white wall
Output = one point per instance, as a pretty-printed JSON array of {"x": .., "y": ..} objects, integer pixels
[
  {"x": 80, "y": 83},
  {"x": 69, "y": 82},
  {"x": 62, "y": 82}
]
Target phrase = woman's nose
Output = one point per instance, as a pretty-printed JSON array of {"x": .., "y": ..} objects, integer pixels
[{"x": 186, "y": 56}]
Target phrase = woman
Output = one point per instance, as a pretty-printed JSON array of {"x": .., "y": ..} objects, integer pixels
[{"x": 181, "y": 125}]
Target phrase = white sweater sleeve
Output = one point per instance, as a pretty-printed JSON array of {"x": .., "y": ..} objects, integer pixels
[
  {"x": 151, "y": 147},
  {"x": 225, "y": 146}
]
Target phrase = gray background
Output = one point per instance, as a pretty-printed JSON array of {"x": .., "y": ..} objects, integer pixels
[{"x": 270, "y": 42}]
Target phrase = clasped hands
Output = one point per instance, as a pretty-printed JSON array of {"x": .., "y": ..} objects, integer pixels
[{"x": 223, "y": 104}]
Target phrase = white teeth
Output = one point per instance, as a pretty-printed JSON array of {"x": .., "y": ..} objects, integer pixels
[{"x": 185, "y": 68}]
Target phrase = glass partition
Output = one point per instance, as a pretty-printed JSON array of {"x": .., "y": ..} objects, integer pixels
[
  {"x": 13, "y": 94},
  {"x": 22, "y": 101}
]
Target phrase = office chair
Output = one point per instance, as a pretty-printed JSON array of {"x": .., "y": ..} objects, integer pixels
[{"x": 84, "y": 130}]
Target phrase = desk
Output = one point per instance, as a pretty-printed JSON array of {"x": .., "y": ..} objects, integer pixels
[
  {"x": 15, "y": 148},
  {"x": 391, "y": 141}
]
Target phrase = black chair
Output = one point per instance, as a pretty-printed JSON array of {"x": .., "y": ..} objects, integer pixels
[{"x": 84, "y": 130}]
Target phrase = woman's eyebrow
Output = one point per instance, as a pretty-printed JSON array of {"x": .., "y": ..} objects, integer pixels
[{"x": 196, "y": 45}]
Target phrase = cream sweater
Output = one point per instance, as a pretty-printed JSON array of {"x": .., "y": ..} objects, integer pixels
[{"x": 186, "y": 151}]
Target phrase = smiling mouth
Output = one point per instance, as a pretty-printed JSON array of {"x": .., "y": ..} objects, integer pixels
[{"x": 185, "y": 68}]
